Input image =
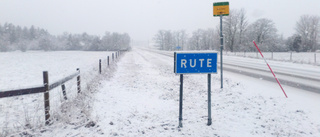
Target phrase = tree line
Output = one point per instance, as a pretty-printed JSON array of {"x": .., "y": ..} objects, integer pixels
[
  {"x": 239, "y": 34},
  {"x": 22, "y": 38}
]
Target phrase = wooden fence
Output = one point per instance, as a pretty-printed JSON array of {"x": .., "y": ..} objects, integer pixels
[{"x": 46, "y": 87}]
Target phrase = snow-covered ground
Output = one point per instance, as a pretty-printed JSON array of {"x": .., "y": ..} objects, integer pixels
[
  {"x": 141, "y": 98},
  {"x": 24, "y": 70}
]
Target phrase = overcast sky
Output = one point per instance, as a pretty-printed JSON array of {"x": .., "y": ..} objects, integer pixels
[{"x": 143, "y": 18}]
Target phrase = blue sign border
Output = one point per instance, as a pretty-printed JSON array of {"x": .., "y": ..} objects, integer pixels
[{"x": 195, "y": 56}]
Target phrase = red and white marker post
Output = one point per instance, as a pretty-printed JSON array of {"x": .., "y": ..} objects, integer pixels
[{"x": 270, "y": 69}]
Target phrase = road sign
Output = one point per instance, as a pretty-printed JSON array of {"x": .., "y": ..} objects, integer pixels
[
  {"x": 221, "y": 8},
  {"x": 195, "y": 62}
]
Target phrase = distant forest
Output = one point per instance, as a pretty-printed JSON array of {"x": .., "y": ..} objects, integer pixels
[
  {"x": 22, "y": 38},
  {"x": 239, "y": 34}
]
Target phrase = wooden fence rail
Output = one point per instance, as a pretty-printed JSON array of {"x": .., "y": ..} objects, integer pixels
[
  {"x": 62, "y": 81},
  {"x": 44, "y": 89},
  {"x": 33, "y": 90},
  {"x": 19, "y": 92}
]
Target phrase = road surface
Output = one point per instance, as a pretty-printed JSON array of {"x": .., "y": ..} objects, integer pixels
[{"x": 302, "y": 76}]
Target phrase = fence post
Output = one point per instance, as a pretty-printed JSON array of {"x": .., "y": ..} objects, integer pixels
[
  {"x": 63, "y": 87},
  {"x": 108, "y": 61},
  {"x": 46, "y": 97},
  {"x": 99, "y": 66},
  {"x": 78, "y": 81},
  {"x": 112, "y": 57}
]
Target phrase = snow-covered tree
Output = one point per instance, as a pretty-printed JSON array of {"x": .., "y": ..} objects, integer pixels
[
  {"x": 234, "y": 28},
  {"x": 45, "y": 43},
  {"x": 195, "y": 40},
  {"x": 294, "y": 43},
  {"x": 230, "y": 29},
  {"x": 308, "y": 27},
  {"x": 180, "y": 38},
  {"x": 243, "y": 25},
  {"x": 159, "y": 39},
  {"x": 264, "y": 33}
]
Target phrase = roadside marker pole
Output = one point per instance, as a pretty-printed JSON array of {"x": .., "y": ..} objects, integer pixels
[{"x": 270, "y": 70}]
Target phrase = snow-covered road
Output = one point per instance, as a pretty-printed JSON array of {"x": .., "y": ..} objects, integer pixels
[
  {"x": 303, "y": 76},
  {"x": 141, "y": 99}
]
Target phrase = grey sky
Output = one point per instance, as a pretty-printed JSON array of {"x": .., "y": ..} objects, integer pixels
[{"x": 143, "y": 18}]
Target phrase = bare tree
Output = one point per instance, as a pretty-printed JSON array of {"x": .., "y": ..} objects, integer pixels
[
  {"x": 308, "y": 28},
  {"x": 180, "y": 38},
  {"x": 183, "y": 38},
  {"x": 195, "y": 40},
  {"x": 230, "y": 29},
  {"x": 243, "y": 24},
  {"x": 264, "y": 32},
  {"x": 210, "y": 38},
  {"x": 165, "y": 39},
  {"x": 168, "y": 40},
  {"x": 159, "y": 39},
  {"x": 235, "y": 25}
]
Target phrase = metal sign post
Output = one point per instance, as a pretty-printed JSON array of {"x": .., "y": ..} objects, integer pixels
[
  {"x": 221, "y": 49},
  {"x": 209, "y": 100},
  {"x": 221, "y": 9},
  {"x": 193, "y": 63},
  {"x": 180, "y": 100}
]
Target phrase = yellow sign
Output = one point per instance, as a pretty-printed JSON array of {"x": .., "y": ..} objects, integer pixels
[{"x": 221, "y": 8}]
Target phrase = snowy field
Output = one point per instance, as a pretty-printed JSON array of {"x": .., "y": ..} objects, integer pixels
[
  {"x": 295, "y": 57},
  {"x": 20, "y": 70},
  {"x": 23, "y": 69},
  {"x": 141, "y": 98}
]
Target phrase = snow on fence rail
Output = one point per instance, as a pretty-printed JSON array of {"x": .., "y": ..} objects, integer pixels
[
  {"x": 296, "y": 57},
  {"x": 40, "y": 105}
]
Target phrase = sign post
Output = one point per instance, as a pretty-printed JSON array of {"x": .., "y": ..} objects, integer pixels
[
  {"x": 180, "y": 100},
  {"x": 221, "y": 9},
  {"x": 195, "y": 63},
  {"x": 209, "y": 100}
]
